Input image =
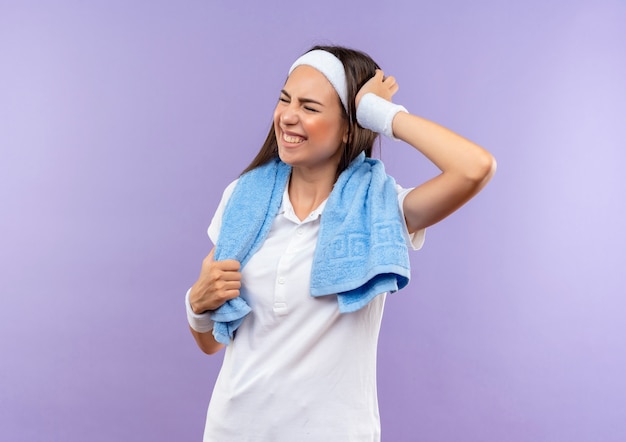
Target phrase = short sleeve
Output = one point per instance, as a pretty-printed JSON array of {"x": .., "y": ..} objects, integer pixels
[
  {"x": 216, "y": 222},
  {"x": 414, "y": 240}
]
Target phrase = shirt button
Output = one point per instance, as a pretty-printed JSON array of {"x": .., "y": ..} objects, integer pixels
[
  {"x": 299, "y": 231},
  {"x": 281, "y": 280}
]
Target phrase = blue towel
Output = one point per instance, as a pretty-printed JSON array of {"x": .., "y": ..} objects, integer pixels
[{"x": 360, "y": 252}]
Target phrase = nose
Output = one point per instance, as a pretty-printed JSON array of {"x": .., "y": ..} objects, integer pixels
[{"x": 289, "y": 115}]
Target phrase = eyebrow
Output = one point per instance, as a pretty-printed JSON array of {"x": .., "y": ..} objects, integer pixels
[{"x": 302, "y": 100}]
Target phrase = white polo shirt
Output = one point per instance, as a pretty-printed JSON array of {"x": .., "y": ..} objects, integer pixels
[{"x": 297, "y": 369}]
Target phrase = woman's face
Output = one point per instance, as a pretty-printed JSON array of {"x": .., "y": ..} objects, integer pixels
[{"x": 310, "y": 130}]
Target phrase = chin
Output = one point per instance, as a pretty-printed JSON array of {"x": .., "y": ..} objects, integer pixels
[{"x": 285, "y": 156}]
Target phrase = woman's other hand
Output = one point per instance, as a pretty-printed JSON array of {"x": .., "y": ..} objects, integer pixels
[
  {"x": 384, "y": 87},
  {"x": 218, "y": 282}
]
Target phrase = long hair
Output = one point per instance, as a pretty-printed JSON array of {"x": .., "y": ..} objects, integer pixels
[{"x": 359, "y": 69}]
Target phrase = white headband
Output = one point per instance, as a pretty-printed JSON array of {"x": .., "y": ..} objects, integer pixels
[{"x": 330, "y": 66}]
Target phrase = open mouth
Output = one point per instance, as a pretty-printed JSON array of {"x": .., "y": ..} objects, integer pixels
[{"x": 292, "y": 139}]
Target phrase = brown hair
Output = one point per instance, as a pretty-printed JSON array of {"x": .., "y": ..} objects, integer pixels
[{"x": 359, "y": 68}]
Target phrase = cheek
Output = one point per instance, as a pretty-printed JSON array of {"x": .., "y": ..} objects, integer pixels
[
  {"x": 325, "y": 129},
  {"x": 276, "y": 116},
  {"x": 276, "y": 120}
]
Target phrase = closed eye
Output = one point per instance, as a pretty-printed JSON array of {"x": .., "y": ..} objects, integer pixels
[{"x": 304, "y": 102}]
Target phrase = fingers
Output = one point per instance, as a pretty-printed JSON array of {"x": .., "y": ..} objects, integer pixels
[
  {"x": 208, "y": 260},
  {"x": 390, "y": 83},
  {"x": 226, "y": 286},
  {"x": 219, "y": 281},
  {"x": 380, "y": 85},
  {"x": 227, "y": 289},
  {"x": 225, "y": 271},
  {"x": 228, "y": 275},
  {"x": 393, "y": 88},
  {"x": 226, "y": 264},
  {"x": 387, "y": 81}
]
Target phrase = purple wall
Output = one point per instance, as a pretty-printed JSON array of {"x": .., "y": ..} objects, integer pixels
[{"x": 121, "y": 122}]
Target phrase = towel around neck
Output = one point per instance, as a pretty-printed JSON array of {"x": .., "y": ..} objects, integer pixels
[{"x": 361, "y": 251}]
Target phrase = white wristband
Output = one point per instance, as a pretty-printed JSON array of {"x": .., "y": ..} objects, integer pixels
[
  {"x": 376, "y": 113},
  {"x": 202, "y": 323}
]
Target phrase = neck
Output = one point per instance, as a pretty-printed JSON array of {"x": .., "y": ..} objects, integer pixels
[{"x": 308, "y": 189}]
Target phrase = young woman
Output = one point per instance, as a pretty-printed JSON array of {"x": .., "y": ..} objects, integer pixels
[{"x": 308, "y": 241}]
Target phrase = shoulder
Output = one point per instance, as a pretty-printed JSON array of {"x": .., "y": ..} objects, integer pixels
[
  {"x": 228, "y": 191},
  {"x": 414, "y": 240},
  {"x": 402, "y": 192},
  {"x": 216, "y": 223}
]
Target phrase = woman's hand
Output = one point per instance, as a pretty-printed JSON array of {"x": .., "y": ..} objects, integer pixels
[
  {"x": 465, "y": 167},
  {"x": 218, "y": 282},
  {"x": 384, "y": 87}
]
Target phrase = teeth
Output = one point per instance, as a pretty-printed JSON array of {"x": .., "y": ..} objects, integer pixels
[{"x": 292, "y": 139}]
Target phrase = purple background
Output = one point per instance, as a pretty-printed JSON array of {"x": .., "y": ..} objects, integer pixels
[{"x": 121, "y": 123}]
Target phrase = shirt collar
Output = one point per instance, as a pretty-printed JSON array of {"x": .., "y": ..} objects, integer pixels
[{"x": 286, "y": 209}]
